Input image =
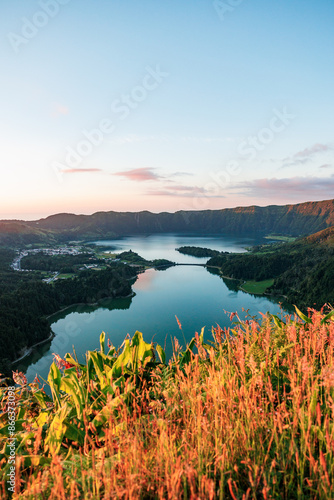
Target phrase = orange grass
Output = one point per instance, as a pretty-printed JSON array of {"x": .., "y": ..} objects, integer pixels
[{"x": 252, "y": 417}]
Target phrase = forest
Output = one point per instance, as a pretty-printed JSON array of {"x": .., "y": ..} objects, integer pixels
[
  {"x": 302, "y": 272},
  {"x": 25, "y": 301},
  {"x": 61, "y": 263},
  {"x": 198, "y": 251}
]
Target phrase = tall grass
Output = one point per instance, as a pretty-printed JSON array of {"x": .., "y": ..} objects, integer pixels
[{"x": 250, "y": 416}]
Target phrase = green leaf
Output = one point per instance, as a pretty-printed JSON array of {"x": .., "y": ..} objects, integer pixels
[
  {"x": 54, "y": 380},
  {"x": 41, "y": 398},
  {"x": 74, "y": 434},
  {"x": 99, "y": 368},
  {"x": 278, "y": 322},
  {"x": 125, "y": 358},
  {"x": 187, "y": 355},
  {"x": 161, "y": 353},
  {"x": 102, "y": 341},
  {"x": 302, "y": 316},
  {"x": 73, "y": 386},
  {"x": 56, "y": 431},
  {"x": 327, "y": 317}
]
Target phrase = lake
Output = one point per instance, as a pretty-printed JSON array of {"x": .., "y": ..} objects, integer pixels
[
  {"x": 198, "y": 298},
  {"x": 163, "y": 246}
]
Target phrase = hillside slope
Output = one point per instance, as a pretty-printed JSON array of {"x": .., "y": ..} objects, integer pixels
[{"x": 303, "y": 271}]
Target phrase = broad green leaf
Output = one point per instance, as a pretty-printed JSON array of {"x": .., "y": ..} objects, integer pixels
[
  {"x": 125, "y": 358},
  {"x": 74, "y": 434},
  {"x": 97, "y": 360},
  {"x": 42, "y": 418},
  {"x": 73, "y": 386},
  {"x": 302, "y": 316},
  {"x": 56, "y": 431},
  {"x": 54, "y": 380},
  {"x": 161, "y": 353}
]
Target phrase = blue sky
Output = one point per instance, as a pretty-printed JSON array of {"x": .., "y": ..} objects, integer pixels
[{"x": 164, "y": 105}]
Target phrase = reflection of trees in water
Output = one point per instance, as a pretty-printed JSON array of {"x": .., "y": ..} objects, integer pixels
[
  {"x": 110, "y": 304},
  {"x": 234, "y": 286},
  {"x": 231, "y": 284},
  {"x": 37, "y": 353}
]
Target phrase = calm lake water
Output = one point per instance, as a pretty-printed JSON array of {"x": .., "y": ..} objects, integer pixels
[
  {"x": 198, "y": 298},
  {"x": 163, "y": 246}
]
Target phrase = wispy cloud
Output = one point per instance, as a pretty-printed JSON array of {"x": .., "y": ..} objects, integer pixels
[
  {"x": 180, "y": 174},
  {"x": 149, "y": 174},
  {"x": 184, "y": 192},
  {"x": 326, "y": 165},
  {"x": 309, "y": 186},
  {"x": 310, "y": 152},
  {"x": 139, "y": 174},
  {"x": 304, "y": 156},
  {"x": 81, "y": 170}
]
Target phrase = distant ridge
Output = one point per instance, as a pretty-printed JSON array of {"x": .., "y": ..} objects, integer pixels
[{"x": 301, "y": 219}]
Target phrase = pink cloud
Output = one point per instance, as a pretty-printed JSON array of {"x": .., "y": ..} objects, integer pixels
[
  {"x": 139, "y": 174},
  {"x": 304, "y": 156},
  {"x": 81, "y": 170},
  {"x": 309, "y": 186},
  {"x": 184, "y": 192},
  {"x": 308, "y": 152}
]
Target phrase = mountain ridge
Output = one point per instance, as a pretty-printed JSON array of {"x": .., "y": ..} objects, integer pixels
[{"x": 301, "y": 219}]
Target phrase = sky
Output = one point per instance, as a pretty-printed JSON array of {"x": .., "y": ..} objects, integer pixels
[{"x": 164, "y": 105}]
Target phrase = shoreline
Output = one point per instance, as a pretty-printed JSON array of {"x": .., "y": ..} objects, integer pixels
[
  {"x": 28, "y": 350},
  {"x": 90, "y": 304}
]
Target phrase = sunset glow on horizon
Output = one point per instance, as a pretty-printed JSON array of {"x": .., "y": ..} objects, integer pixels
[{"x": 121, "y": 106}]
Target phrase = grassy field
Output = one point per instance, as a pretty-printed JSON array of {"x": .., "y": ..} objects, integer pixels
[
  {"x": 280, "y": 238},
  {"x": 249, "y": 416},
  {"x": 257, "y": 287}
]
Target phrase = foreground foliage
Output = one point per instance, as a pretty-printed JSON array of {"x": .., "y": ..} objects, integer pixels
[{"x": 249, "y": 415}]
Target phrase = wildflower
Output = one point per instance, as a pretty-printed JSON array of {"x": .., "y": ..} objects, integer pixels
[
  {"x": 61, "y": 363},
  {"x": 218, "y": 334},
  {"x": 327, "y": 375},
  {"x": 19, "y": 378}
]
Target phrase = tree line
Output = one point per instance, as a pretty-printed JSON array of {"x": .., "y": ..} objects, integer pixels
[
  {"x": 303, "y": 273},
  {"x": 26, "y": 301}
]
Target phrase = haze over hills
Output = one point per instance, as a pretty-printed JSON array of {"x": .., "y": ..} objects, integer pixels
[{"x": 297, "y": 220}]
